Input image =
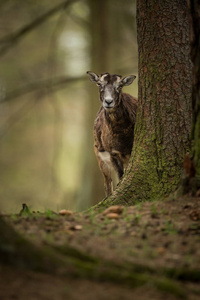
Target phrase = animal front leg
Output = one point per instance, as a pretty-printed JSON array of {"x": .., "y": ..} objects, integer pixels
[
  {"x": 103, "y": 158},
  {"x": 106, "y": 171},
  {"x": 118, "y": 165}
]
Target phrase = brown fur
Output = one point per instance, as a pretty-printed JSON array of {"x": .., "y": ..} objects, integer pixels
[{"x": 113, "y": 133}]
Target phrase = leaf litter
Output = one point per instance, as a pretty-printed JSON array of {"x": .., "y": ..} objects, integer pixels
[{"x": 159, "y": 235}]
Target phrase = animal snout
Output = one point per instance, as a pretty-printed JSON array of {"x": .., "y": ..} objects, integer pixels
[{"x": 108, "y": 100}]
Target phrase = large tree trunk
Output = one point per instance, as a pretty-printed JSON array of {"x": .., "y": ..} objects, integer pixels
[
  {"x": 192, "y": 168},
  {"x": 163, "y": 125}
]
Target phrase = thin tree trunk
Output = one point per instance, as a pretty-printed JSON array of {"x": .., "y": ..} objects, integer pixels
[
  {"x": 92, "y": 190},
  {"x": 163, "y": 125}
]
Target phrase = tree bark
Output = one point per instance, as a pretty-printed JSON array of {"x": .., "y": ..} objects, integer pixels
[
  {"x": 163, "y": 124},
  {"x": 192, "y": 167}
]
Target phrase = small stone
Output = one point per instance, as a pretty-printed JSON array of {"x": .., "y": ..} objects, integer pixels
[
  {"x": 65, "y": 212},
  {"x": 117, "y": 209},
  {"x": 112, "y": 216}
]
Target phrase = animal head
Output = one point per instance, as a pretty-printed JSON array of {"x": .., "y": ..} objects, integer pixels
[{"x": 110, "y": 87}]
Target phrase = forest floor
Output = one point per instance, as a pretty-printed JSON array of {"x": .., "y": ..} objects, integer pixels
[{"x": 147, "y": 251}]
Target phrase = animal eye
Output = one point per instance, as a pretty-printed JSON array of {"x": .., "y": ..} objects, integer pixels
[{"x": 100, "y": 87}]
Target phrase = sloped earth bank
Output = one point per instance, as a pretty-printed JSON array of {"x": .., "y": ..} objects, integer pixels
[{"x": 147, "y": 251}]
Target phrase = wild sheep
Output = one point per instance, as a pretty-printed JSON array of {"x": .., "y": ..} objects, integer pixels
[{"x": 114, "y": 125}]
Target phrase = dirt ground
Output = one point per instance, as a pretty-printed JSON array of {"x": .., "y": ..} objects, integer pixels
[
  {"x": 32, "y": 286},
  {"x": 161, "y": 237}
]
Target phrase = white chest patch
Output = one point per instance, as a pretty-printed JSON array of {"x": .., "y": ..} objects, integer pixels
[{"x": 105, "y": 157}]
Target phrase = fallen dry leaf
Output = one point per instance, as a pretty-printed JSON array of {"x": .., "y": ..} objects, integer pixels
[
  {"x": 76, "y": 227},
  {"x": 112, "y": 216},
  {"x": 117, "y": 209},
  {"x": 65, "y": 212}
]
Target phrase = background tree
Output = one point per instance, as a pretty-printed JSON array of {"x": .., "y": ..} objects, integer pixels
[
  {"x": 163, "y": 125},
  {"x": 91, "y": 189},
  {"x": 47, "y": 111}
]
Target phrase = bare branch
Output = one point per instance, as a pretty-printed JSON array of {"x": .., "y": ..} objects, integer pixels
[
  {"x": 49, "y": 84},
  {"x": 36, "y": 87},
  {"x": 9, "y": 40}
]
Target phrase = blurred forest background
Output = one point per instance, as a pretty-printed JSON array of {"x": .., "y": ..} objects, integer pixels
[{"x": 47, "y": 103}]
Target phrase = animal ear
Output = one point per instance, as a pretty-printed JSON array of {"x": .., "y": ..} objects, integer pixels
[
  {"x": 93, "y": 76},
  {"x": 127, "y": 80}
]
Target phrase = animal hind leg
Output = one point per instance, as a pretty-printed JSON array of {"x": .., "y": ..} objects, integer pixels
[{"x": 106, "y": 171}]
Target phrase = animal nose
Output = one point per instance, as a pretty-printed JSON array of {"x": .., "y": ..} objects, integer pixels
[{"x": 108, "y": 100}]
